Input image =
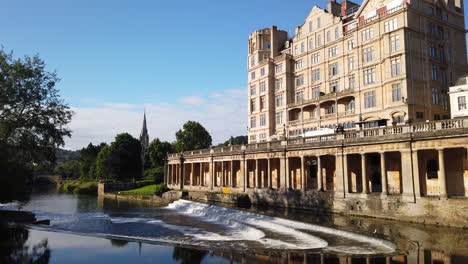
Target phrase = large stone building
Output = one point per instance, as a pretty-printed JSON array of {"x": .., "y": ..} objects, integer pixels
[{"x": 379, "y": 63}]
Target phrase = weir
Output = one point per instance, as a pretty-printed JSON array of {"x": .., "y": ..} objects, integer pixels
[{"x": 416, "y": 172}]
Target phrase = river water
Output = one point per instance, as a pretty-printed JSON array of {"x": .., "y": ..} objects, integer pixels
[{"x": 101, "y": 230}]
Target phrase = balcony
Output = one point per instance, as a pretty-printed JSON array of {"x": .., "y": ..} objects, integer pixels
[
  {"x": 346, "y": 113},
  {"x": 327, "y": 116}
]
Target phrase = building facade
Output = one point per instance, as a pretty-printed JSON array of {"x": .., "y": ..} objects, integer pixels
[
  {"x": 458, "y": 95},
  {"x": 379, "y": 63}
]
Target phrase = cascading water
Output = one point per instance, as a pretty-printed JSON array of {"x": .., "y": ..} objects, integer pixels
[{"x": 201, "y": 225}]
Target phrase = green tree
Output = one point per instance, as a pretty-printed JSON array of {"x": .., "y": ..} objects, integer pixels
[
  {"x": 192, "y": 136},
  {"x": 88, "y": 158},
  {"x": 239, "y": 140},
  {"x": 33, "y": 117},
  {"x": 103, "y": 164},
  {"x": 125, "y": 157},
  {"x": 68, "y": 169},
  {"x": 157, "y": 152}
]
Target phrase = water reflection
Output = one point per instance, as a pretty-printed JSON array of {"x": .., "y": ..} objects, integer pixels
[
  {"x": 13, "y": 247},
  {"x": 118, "y": 243},
  {"x": 188, "y": 255}
]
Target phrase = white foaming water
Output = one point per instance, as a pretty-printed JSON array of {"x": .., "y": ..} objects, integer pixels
[{"x": 300, "y": 240}]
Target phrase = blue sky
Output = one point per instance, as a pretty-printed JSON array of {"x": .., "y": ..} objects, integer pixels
[{"x": 180, "y": 59}]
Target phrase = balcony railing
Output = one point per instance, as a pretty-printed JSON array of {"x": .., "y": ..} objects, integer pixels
[
  {"x": 443, "y": 127},
  {"x": 327, "y": 116}
]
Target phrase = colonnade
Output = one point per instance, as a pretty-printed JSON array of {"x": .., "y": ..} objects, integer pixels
[{"x": 408, "y": 172}]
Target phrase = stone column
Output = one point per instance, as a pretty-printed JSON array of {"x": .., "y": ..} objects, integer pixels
[
  {"x": 365, "y": 181},
  {"x": 282, "y": 173},
  {"x": 231, "y": 176},
  {"x": 416, "y": 179},
  {"x": 191, "y": 175},
  {"x": 287, "y": 176},
  {"x": 441, "y": 174},
  {"x": 202, "y": 177},
  {"x": 407, "y": 175},
  {"x": 182, "y": 172},
  {"x": 223, "y": 178},
  {"x": 243, "y": 169},
  {"x": 339, "y": 171},
  {"x": 383, "y": 172},
  {"x": 269, "y": 185},
  {"x": 319, "y": 174},
  {"x": 256, "y": 174},
  {"x": 303, "y": 186},
  {"x": 211, "y": 173},
  {"x": 345, "y": 174}
]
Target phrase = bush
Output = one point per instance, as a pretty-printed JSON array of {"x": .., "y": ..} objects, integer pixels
[
  {"x": 79, "y": 187},
  {"x": 155, "y": 174}
]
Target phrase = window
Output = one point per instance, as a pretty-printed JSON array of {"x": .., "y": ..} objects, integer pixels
[
  {"x": 350, "y": 44},
  {"x": 435, "y": 96},
  {"x": 440, "y": 33},
  {"x": 441, "y": 54},
  {"x": 431, "y": 28},
  {"x": 310, "y": 26},
  {"x": 316, "y": 75},
  {"x": 262, "y": 137},
  {"x": 396, "y": 92},
  {"x": 398, "y": 119},
  {"x": 262, "y": 86},
  {"x": 316, "y": 92},
  {"x": 334, "y": 87},
  {"x": 279, "y": 68},
  {"x": 253, "y": 122},
  {"x": 299, "y": 64},
  {"x": 367, "y": 34},
  {"x": 332, "y": 51},
  {"x": 333, "y": 69},
  {"x": 253, "y": 138},
  {"x": 432, "y": 50},
  {"x": 369, "y": 99},
  {"x": 262, "y": 120},
  {"x": 461, "y": 102},
  {"x": 395, "y": 67},
  {"x": 279, "y": 100},
  {"x": 350, "y": 64},
  {"x": 262, "y": 71},
  {"x": 300, "y": 80},
  {"x": 444, "y": 98},
  {"x": 252, "y": 75},
  {"x": 299, "y": 96},
  {"x": 279, "y": 118},
  {"x": 443, "y": 77},
  {"x": 279, "y": 84},
  {"x": 267, "y": 44},
  {"x": 302, "y": 47},
  {"x": 449, "y": 54},
  {"x": 295, "y": 50},
  {"x": 262, "y": 103},
  {"x": 328, "y": 36},
  {"x": 351, "y": 82},
  {"x": 434, "y": 74},
  {"x": 394, "y": 43},
  {"x": 337, "y": 33},
  {"x": 330, "y": 109},
  {"x": 390, "y": 25},
  {"x": 349, "y": 107},
  {"x": 253, "y": 90},
  {"x": 319, "y": 41},
  {"x": 318, "y": 22},
  {"x": 253, "y": 105},
  {"x": 369, "y": 76},
  {"x": 368, "y": 54},
  {"x": 315, "y": 57},
  {"x": 436, "y": 117},
  {"x": 419, "y": 115},
  {"x": 252, "y": 61},
  {"x": 311, "y": 43}
]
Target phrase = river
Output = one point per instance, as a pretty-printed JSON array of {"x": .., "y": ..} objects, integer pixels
[{"x": 100, "y": 230}]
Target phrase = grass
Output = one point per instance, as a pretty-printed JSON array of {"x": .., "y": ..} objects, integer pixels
[
  {"x": 79, "y": 187},
  {"x": 154, "y": 189}
]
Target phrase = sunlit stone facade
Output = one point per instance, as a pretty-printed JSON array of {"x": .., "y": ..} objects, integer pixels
[{"x": 379, "y": 63}]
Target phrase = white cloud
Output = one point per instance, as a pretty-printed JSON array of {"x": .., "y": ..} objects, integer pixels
[
  {"x": 192, "y": 100},
  {"x": 223, "y": 114}
]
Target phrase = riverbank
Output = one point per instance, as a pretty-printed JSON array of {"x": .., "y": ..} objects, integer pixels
[{"x": 78, "y": 187}]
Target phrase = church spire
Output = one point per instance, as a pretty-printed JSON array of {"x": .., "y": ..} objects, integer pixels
[{"x": 144, "y": 138}]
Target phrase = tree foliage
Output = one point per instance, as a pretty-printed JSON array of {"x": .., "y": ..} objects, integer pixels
[
  {"x": 87, "y": 160},
  {"x": 239, "y": 140},
  {"x": 157, "y": 152},
  {"x": 68, "y": 169},
  {"x": 103, "y": 163},
  {"x": 125, "y": 154},
  {"x": 192, "y": 136},
  {"x": 33, "y": 118}
]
